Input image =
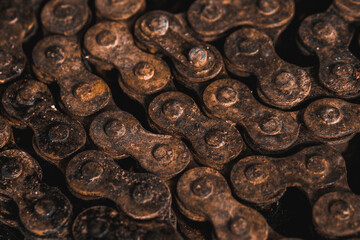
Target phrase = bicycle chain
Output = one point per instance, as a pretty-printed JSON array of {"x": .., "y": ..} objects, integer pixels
[
  {"x": 195, "y": 62},
  {"x": 59, "y": 59},
  {"x": 319, "y": 171},
  {"x": 65, "y": 17},
  {"x": 215, "y": 142},
  {"x": 107, "y": 223},
  {"x": 212, "y": 19},
  {"x": 327, "y": 120},
  {"x": 40, "y": 211},
  {"x": 142, "y": 75},
  {"x": 118, "y": 133},
  {"x": 204, "y": 195},
  {"x": 56, "y": 136},
  {"x": 123, "y": 10},
  {"x": 93, "y": 174},
  {"x": 209, "y": 126},
  {"x": 17, "y": 25}
]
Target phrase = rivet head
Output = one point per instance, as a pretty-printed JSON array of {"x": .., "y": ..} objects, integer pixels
[
  {"x": 227, "y": 96},
  {"x": 114, "y": 128},
  {"x": 340, "y": 209},
  {"x": 343, "y": 69},
  {"x": 268, "y": 6},
  {"x": 316, "y": 164},
  {"x": 239, "y": 226},
  {"x": 92, "y": 170},
  {"x": 330, "y": 115},
  {"x": 11, "y": 170},
  {"x": 142, "y": 193},
  {"x": 5, "y": 59},
  {"x": 64, "y": 11},
  {"x": 44, "y": 207},
  {"x": 158, "y": 25},
  {"x": 163, "y": 153},
  {"x": 271, "y": 125},
  {"x": 26, "y": 96},
  {"x": 99, "y": 227},
  {"x": 256, "y": 173},
  {"x": 197, "y": 56},
  {"x": 173, "y": 109},
  {"x": 285, "y": 81},
  {"x": 55, "y": 54},
  {"x": 144, "y": 70},
  {"x": 59, "y": 133},
  {"x": 105, "y": 38},
  {"x": 84, "y": 92},
  {"x": 248, "y": 46},
  {"x": 324, "y": 30},
  {"x": 215, "y": 138},
  {"x": 211, "y": 12},
  {"x": 202, "y": 187}
]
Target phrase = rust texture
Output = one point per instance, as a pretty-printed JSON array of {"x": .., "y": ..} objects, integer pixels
[
  {"x": 215, "y": 142},
  {"x": 202, "y": 190},
  {"x": 93, "y": 174},
  {"x": 264, "y": 180},
  {"x": 118, "y": 132},
  {"x": 141, "y": 74},
  {"x": 195, "y": 61},
  {"x": 65, "y": 17},
  {"x": 212, "y": 19},
  {"x": 43, "y": 211},
  {"x": 17, "y": 24},
  {"x": 107, "y": 223},
  {"x": 56, "y": 136},
  {"x": 57, "y": 58},
  {"x": 268, "y": 129},
  {"x": 179, "y": 120},
  {"x": 119, "y": 10},
  {"x": 328, "y": 36}
]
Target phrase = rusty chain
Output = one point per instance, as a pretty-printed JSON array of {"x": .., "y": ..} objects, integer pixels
[
  {"x": 208, "y": 157},
  {"x": 17, "y": 24},
  {"x": 212, "y": 19}
]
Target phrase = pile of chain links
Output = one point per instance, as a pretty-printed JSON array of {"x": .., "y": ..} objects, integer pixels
[{"x": 212, "y": 150}]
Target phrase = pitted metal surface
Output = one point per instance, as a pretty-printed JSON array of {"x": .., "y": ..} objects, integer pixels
[
  {"x": 215, "y": 142},
  {"x": 58, "y": 58},
  {"x": 195, "y": 61},
  {"x": 65, "y": 17},
  {"x": 212, "y": 19},
  {"x": 107, "y": 223},
  {"x": 43, "y": 211},
  {"x": 142, "y": 74},
  {"x": 56, "y": 135},
  {"x": 118, "y": 132},
  {"x": 17, "y": 24},
  {"x": 193, "y": 119},
  {"x": 93, "y": 174}
]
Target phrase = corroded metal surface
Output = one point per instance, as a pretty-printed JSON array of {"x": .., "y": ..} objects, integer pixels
[
  {"x": 141, "y": 74},
  {"x": 56, "y": 135},
  {"x": 93, "y": 174},
  {"x": 43, "y": 211},
  {"x": 57, "y": 58},
  {"x": 65, "y": 17},
  {"x": 215, "y": 142},
  {"x": 212, "y": 19},
  {"x": 118, "y": 132},
  {"x": 107, "y": 223},
  {"x": 193, "y": 119}
]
